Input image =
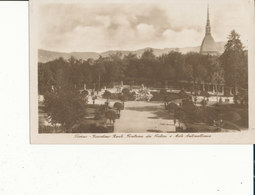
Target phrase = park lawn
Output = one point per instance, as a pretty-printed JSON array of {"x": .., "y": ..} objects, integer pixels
[
  {"x": 89, "y": 124},
  {"x": 92, "y": 124},
  {"x": 225, "y": 110},
  {"x": 198, "y": 127}
]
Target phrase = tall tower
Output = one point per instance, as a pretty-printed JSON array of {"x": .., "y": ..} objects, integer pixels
[
  {"x": 208, "y": 26},
  {"x": 208, "y": 46}
]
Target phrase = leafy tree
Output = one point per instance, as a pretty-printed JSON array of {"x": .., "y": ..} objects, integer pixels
[
  {"x": 231, "y": 68},
  {"x": 203, "y": 102},
  {"x": 217, "y": 78},
  {"x": 180, "y": 115},
  {"x": 183, "y": 95},
  {"x": 111, "y": 115},
  {"x": 130, "y": 70},
  {"x": 119, "y": 106},
  {"x": 146, "y": 68},
  {"x": 234, "y": 62},
  {"x": 170, "y": 97},
  {"x": 114, "y": 68},
  {"x": 167, "y": 67},
  {"x": 172, "y": 108},
  {"x": 84, "y": 96},
  {"x": 107, "y": 95},
  {"x": 99, "y": 71},
  {"x": 205, "y": 94},
  {"x": 65, "y": 107},
  {"x": 163, "y": 95},
  {"x": 125, "y": 91}
]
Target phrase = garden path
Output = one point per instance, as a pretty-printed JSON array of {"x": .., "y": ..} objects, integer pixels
[{"x": 144, "y": 117}]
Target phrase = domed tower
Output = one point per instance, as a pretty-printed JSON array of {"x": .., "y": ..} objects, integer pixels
[{"x": 208, "y": 45}]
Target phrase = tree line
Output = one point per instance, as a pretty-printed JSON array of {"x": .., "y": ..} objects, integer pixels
[{"x": 230, "y": 68}]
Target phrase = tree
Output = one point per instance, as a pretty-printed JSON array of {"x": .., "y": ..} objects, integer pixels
[
  {"x": 170, "y": 97},
  {"x": 217, "y": 79},
  {"x": 183, "y": 95},
  {"x": 147, "y": 65},
  {"x": 99, "y": 71},
  {"x": 119, "y": 106},
  {"x": 168, "y": 66},
  {"x": 84, "y": 96},
  {"x": 163, "y": 94},
  {"x": 111, "y": 115},
  {"x": 65, "y": 107},
  {"x": 234, "y": 62},
  {"x": 203, "y": 102},
  {"x": 205, "y": 94},
  {"x": 189, "y": 69},
  {"x": 107, "y": 94},
  {"x": 115, "y": 69},
  {"x": 188, "y": 75},
  {"x": 129, "y": 67},
  {"x": 172, "y": 108},
  {"x": 125, "y": 91},
  {"x": 180, "y": 115}
]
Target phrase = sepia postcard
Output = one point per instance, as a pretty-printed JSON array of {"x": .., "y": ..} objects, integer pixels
[{"x": 142, "y": 72}]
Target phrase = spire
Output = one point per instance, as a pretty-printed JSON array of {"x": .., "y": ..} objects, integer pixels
[
  {"x": 208, "y": 45},
  {"x": 208, "y": 27},
  {"x": 208, "y": 19}
]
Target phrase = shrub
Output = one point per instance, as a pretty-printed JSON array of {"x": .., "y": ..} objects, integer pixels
[
  {"x": 220, "y": 101},
  {"x": 163, "y": 92},
  {"x": 90, "y": 128},
  {"x": 100, "y": 112},
  {"x": 107, "y": 94},
  {"x": 203, "y": 102},
  {"x": 183, "y": 94},
  {"x": 127, "y": 97},
  {"x": 230, "y": 125},
  {"x": 119, "y": 106},
  {"x": 156, "y": 97},
  {"x": 172, "y": 107},
  {"x": 84, "y": 93},
  {"x": 99, "y": 129},
  {"x": 125, "y": 91},
  {"x": 82, "y": 128},
  {"x": 188, "y": 106},
  {"x": 204, "y": 93},
  {"x": 111, "y": 115},
  {"x": 231, "y": 116},
  {"x": 244, "y": 122}
]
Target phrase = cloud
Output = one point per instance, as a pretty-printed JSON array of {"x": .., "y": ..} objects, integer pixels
[
  {"x": 102, "y": 26},
  {"x": 187, "y": 37},
  {"x": 145, "y": 31}
]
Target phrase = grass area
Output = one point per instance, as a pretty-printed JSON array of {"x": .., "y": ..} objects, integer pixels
[
  {"x": 91, "y": 123},
  {"x": 236, "y": 114},
  {"x": 140, "y": 116},
  {"x": 199, "y": 127}
]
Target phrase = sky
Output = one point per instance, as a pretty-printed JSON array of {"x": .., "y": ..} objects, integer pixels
[{"x": 96, "y": 27}]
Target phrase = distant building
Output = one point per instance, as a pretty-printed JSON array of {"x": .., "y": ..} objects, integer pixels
[{"x": 208, "y": 45}]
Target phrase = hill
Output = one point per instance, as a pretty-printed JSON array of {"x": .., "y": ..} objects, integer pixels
[{"x": 45, "y": 55}]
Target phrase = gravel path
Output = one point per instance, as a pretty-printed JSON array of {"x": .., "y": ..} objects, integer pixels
[{"x": 144, "y": 117}]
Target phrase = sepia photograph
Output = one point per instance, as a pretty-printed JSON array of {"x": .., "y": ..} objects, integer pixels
[
  {"x": 165, "y": 71},
  {"x": 127, "y": 97}
]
